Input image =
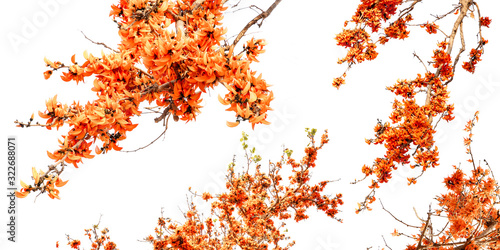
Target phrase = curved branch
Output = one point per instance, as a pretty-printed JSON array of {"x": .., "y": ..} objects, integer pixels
[{"x": 262, "y": 16}]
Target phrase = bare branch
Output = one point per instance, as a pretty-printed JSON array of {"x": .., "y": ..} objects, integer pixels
[
  {"x": 386, "y": 243},
  {"x": 415, "y": 55},
  {"x": 262, "y": 16},
  {"x": 143, "y": 147},
  {"x": 395, "y": 216},
  {"x": 422, "y": 234},
  {"x": 99, "y": 43}
]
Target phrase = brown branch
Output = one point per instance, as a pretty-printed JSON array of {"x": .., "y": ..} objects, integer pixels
[
  {"x": 53, "y": 168},
  {"x": 439, "y": 17},
  {"x": 422, "y": 233},
  {"x": 462, "y": 244},
  {"x": 66, "y": 155},
  {"x": 164, "y": 114},
  {"x": 197, "y": 4},
  {"x": 462, "y": 49},
  {"x": 176, "y": 17},
  {"x": 395, "y": 216},
  {"x": 166, "y": 86},
  {"x": 99, "y": 43},
  {"x": 465, "y": 4},
  {"x": 386, "y": 243},
  {"x": 442, "y": 230},
  {"x": 37, "y": 124},
  {"x": 143, "y": 147},
  {"x": 158, "y": 88},
  {"x": 262, "y": 16},
  {"x": 491, "y": 171},
  {"x": 462, "y": 41},
  {"x": 479, "y": 20},
  {"x": 415, "y": 55},
  {"x": 463, "y": 11},
  {"x": 405, "y": 11},
  {"x": 487, "y": 231}
]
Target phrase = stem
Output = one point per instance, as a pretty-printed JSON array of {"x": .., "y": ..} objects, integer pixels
[{"x": 262, "y": 16}]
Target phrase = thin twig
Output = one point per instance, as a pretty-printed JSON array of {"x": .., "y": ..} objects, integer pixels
[
  {"x": 416, "y": 214},
  {"x": 143, "y": 147},
  {"x": 395, "y": 216},
  {"x": 262, "y": 16},
  {"x": 386, "y": 243},
  {"x": 491, "y": 171},
  {"x": 415, "y": 55},
  {"x": 164, "y": 114},
  {"x": 99, "y": 43}
]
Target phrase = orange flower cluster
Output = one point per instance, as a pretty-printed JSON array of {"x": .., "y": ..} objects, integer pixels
[
  {"x": 191, "y": 60},
  {"x": 431, "y": 28},
  {"x": 369, "y": 14},
  {"x": 98, "y": 239},
  {"x": 247, "y": 215},
  {"x": 170, "y": 53},
  {"x": 47, "y": 183},
  {"x": 468, "y": 128},
  {"x": 75, "y": 244},
  {"x": 397, "y": 29},
  {"x": 476, "y": 53},
  {"x": 474, "y": 57},
  {"x": 469, "y": 206},
  {"x": 373, "y": 12},
  {"x": 485, "y": 21},
  {"x": 411, "y": 127}
]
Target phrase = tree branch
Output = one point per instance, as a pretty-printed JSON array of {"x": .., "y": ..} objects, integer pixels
[
  {"x": 395, "y": 216},
  {"x": 423, "y": 230},
  {"x": 262, "y": 16},
  {"x": 143, "y": 147},
  {"x": 99, "y": 43}
]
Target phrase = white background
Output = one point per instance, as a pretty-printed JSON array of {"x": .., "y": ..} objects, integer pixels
[{"x": 129, "y": 189}]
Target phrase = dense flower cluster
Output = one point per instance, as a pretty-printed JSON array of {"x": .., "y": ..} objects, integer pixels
[
  {"x": 474, "y": 57},
  {"x": 246, "y": 216},
  {"x": 431, "y": 28},
  {"x": 171, "y": 52},
  {"x": 358, "y": 40}
]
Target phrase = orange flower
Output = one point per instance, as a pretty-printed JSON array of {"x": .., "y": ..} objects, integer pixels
[
  {"x": 75, "y": 244},
  {"x": 36, "y": 177},
  {"x": 22, "y": 194},
  {"x": 47, "y": 74},
  {"x": 485, "y": 21},
  {"x": 232, "y": 124},
  {"x": 60, "y": 183}
]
